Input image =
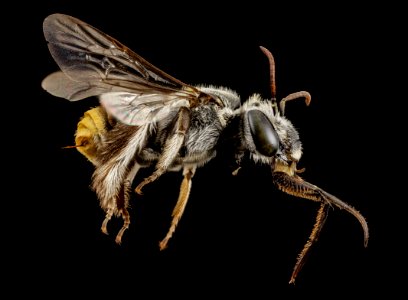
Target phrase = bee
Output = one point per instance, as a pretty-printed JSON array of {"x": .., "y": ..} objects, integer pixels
[{"x": 147, "y": 118}]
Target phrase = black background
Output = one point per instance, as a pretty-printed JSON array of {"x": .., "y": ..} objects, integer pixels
[{"x": 238, "y": 235}]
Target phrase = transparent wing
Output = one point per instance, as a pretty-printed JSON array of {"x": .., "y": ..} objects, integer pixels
[
  {"x": 60, "y": 85},
  {"x": 132, "y": 109},
  {"x": 93, "y": 64}
]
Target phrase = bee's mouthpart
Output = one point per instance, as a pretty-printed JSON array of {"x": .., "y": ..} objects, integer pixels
[{"x": 294, "y": 185}]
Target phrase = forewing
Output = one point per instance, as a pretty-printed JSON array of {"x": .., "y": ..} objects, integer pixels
[
  {"x": 86, "y": 54},
  {"x": 93, "y": 64}
]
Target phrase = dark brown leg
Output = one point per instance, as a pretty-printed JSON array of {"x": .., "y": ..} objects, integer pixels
[{"x": 317, "y": 228}]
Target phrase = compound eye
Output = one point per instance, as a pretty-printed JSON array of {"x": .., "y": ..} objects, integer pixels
[{"x": 265, "y": 138}]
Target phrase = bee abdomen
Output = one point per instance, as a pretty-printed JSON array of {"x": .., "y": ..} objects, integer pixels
[{"x": 89, "y": 133}]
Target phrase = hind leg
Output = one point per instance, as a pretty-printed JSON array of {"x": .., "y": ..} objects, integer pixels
[
  {"x": 123, "y": 205},
  {"x": 119, "y": 204}
]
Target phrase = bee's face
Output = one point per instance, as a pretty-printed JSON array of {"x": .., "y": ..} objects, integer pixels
[
  {"x": 290, "y": 150},
  {"x": 269, "y": 137}
]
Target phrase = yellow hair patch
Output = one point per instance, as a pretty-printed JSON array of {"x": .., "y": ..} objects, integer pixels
[{"x": 90, "y": 130}]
